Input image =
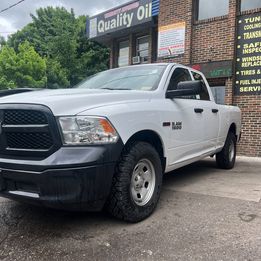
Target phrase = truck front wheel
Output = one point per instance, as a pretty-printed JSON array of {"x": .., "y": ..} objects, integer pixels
[
  {"x": 136, "y": 184},
  {"x": 226, "y": 158}
]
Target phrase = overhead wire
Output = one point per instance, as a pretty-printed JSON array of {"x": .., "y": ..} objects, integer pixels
[{"x": 11, "y": 6}]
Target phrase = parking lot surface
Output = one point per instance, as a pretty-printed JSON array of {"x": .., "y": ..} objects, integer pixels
[{"x": 204, "y": 214}]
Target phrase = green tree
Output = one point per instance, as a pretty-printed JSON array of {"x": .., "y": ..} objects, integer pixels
[
  {"x": 5, "y": 84},
  {"x": 56, "y": 75},
  {"x": 24, "y": 68},
  {"x": 92, "y": 57},
  {"x": 26, "y": 34},
  {"x": 2, "y": 42},
  {"x": 8, "y": 60},
  {"x": 59, "y": 36}
]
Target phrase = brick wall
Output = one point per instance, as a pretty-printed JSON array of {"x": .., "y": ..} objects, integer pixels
[
  {"x": 173, "y": 12},
  {"x": 208, "y": 40},
  {"x": 250, "y": 106},
  {"x": 229, "y": 92},
  {"x": 214, "y": 40},
  {"x": 208, "y": 46},
  {"x": 250, "y": 143}
]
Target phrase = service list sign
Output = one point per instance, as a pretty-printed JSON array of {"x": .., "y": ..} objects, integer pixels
[
  {"x": 171, "y": 40},
  {"x": 248, "y": 61}
]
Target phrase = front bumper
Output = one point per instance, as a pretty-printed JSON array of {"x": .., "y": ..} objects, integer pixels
[{"x": 73, "y": 178}]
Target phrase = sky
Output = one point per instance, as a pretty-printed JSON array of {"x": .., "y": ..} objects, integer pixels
[{"x": 18, "y": 16}]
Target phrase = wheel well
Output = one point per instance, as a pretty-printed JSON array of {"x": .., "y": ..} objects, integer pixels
[
  {"x": 152, "y": 138},
  {"x": 233, "y": 129}
]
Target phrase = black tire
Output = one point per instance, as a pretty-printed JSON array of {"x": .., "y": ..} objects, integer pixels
[
  {"x": 226, "y": 158},
  {"x": 121, "y": 203}
]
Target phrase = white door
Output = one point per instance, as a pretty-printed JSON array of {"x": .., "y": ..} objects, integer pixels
[
  {"x": 211, "y": 116},
  {"x": 187, "y": 122}
]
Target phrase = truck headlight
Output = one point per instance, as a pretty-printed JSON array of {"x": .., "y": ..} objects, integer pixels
[{"x": 85, "y": 130}]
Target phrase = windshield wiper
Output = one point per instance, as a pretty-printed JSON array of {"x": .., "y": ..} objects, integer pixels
[{"x": 116, "y": 89}]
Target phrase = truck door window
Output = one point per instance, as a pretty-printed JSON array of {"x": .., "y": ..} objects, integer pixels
[
  {"x": 179, "y": 75},
  {"x": 205, "y": 95}
]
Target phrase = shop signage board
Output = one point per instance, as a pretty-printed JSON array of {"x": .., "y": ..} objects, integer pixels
[
  {"x": 212, "y": 70},
  {"x": 248, "y": 60},
  {"x": 126, "y": 16},
  {"x": 171, "y": 40}
]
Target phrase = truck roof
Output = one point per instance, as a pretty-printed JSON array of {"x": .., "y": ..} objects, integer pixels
[{"x": 162, "y": 64}]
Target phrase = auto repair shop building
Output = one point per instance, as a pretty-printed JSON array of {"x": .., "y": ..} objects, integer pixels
[{"x": 220, "y": 38}]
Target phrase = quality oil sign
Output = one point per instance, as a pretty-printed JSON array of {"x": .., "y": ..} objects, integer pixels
[{"x": 123, "y": 17}]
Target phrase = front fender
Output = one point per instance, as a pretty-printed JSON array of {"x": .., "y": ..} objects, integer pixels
[{"x": 130, "y": 118}]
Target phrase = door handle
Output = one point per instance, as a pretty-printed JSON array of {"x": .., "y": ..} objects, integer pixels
[
  {"x": 198, "y": 110},
  {"x": 215, "y": 110}
]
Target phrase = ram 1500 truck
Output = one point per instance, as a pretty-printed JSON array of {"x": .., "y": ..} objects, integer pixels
[{"x": 107, "y": 142}]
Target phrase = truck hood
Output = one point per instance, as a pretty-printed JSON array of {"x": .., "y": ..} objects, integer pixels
[{"x": 75, "y": 101}]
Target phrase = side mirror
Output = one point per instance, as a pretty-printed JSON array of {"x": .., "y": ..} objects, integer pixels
[{"x": 186, "y": 89}]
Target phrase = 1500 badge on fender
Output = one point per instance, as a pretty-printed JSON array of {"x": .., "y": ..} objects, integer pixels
[{"x": 176, "y": 125}]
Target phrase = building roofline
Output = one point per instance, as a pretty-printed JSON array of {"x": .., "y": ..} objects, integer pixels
[{"x": 116, "y": 7}]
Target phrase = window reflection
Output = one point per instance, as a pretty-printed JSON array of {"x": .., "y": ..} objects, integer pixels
[
  {"x": 250, "y": 4},
  {"x": 212, "y": 8}
]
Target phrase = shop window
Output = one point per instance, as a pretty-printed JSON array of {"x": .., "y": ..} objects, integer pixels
[
  {"x": 124, "y": 50},
  {"x": 250, "y": 4},
  {"x": 212, "y": 8},
  {"x": 219, "y": 93},
  {"x": 142, "y": 48}
]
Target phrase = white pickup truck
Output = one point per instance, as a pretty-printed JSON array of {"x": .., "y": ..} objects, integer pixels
[{"x": 107, "y": 142}]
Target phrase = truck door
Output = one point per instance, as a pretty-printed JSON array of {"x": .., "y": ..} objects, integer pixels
[
  {"x": 187, "y": 121},
  {"x": 211, "y": 116}
]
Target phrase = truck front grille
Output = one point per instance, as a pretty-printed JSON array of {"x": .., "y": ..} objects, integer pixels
[
  {"x": 29, "y": 141},
  {"x": 23, "y": 117},
  {"x": 27, "y": 131}
]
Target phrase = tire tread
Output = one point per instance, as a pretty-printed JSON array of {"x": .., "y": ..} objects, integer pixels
[
  {"x": 222, "y": 158},
  {"x": 118, "y": 204}
]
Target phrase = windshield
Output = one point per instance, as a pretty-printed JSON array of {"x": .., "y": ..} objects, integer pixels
[{"x": 141, "y": 78}]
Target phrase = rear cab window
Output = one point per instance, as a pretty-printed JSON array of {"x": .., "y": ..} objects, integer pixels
[{"x": 205, "y": 95}]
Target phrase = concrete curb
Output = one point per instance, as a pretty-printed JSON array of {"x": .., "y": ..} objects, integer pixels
[{"x": 248, "y": 159}]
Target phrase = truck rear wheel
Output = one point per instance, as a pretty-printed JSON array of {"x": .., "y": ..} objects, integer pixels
[
  {"x": 136, "y": 184},
  {"x": 227, "y": 157}
]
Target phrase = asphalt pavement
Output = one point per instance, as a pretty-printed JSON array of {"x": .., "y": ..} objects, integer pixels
[{"x": 204, "y": 214}]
